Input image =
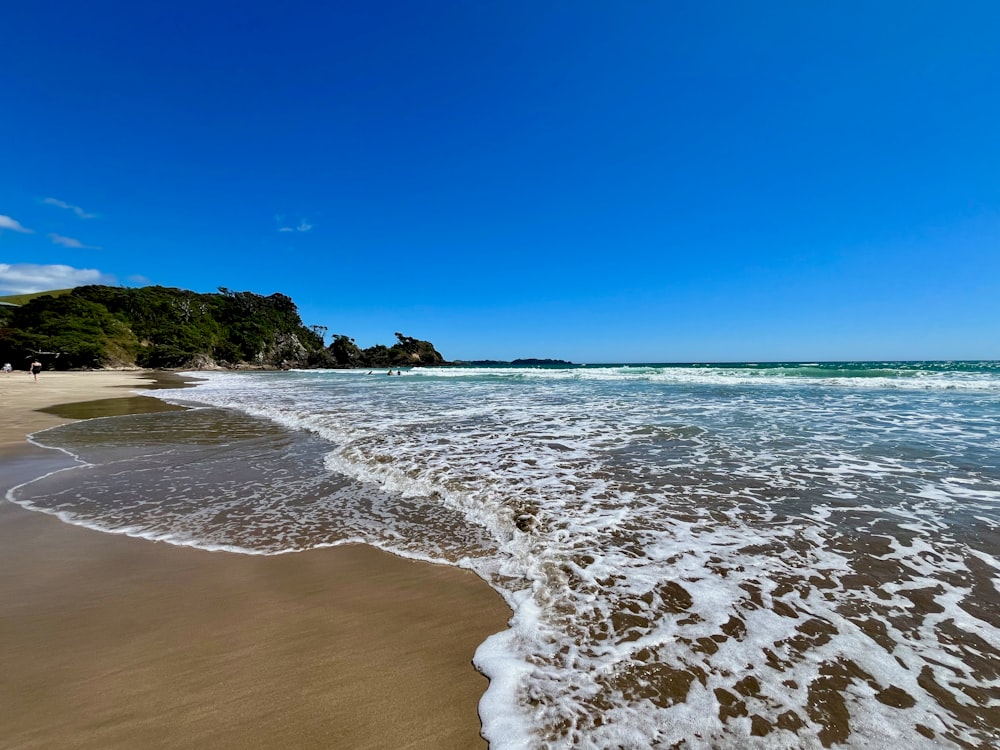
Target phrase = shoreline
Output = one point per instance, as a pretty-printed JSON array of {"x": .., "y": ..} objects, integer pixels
[{"x": 112, "y": 641}]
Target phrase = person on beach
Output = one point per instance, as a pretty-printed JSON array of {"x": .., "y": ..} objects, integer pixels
[
  {"x": 36, "y": 367},
  {"x": 7, "y": 368}
]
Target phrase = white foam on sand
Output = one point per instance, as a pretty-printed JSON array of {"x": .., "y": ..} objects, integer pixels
[{"x": 738, "y": 567}]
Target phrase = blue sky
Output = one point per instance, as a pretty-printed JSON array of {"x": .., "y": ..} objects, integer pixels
[{"x": 595, "y": 181}]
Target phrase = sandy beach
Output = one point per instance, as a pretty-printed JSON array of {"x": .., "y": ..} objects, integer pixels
[{"x": 113, "y": 642}]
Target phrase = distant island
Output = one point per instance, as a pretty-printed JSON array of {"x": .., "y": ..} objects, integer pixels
[
  {"x": 96, "y": 327},
  {"x": 519, "y": 362}
]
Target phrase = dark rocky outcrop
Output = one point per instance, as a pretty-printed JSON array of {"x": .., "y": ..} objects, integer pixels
[{"x": 406, "y": 352}]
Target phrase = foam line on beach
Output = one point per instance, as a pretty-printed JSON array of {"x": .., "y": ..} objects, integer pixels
[{"x": 797, "y": 563}]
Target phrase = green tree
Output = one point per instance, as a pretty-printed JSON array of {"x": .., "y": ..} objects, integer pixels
[{"x": 345, "y": 352}]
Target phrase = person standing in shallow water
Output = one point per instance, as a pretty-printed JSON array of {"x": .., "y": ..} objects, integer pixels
[{"x": 36, "y": 367}]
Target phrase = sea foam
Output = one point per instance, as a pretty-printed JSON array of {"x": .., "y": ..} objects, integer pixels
[{"x": 766, "y": 556}]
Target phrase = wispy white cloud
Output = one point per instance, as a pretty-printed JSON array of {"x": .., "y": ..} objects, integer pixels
[
  {"x": 303, "y": 226},
  {"x": 138, "y": 279},
  {"x": 70, "y": 207},
  {"x": 71, "y": 242},
  {"x": 14, "y": 225},
  {"x": 25, "y": 278}
]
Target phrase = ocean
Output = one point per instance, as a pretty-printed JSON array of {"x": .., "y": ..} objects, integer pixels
[{"x": 755, "y": 555}]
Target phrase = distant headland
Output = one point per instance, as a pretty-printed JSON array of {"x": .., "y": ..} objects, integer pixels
[
  {"x": 515, "y": 362},
  {"x": 101, "y": 327}
]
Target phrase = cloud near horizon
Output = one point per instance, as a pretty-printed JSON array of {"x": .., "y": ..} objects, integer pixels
[
  {"x": 58, "y": 239},
  {"x": 70, "y": 207},
  {"x": 27, "y": 278},
  {"x": 6, "y": 222}
]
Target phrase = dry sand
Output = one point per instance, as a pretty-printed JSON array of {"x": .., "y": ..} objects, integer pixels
[{"x": 112, "y": 642}]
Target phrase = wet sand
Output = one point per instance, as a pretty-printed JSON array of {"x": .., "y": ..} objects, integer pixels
[{"x": 112, "y": 642}]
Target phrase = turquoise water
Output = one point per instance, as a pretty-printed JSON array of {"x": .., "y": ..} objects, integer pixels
[{"x": 722, "y": 555}]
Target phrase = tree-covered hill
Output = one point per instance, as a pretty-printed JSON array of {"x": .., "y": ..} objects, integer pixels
[
  {"x": 160, "y": 327},
  {"x": 405, "y": 352}
]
